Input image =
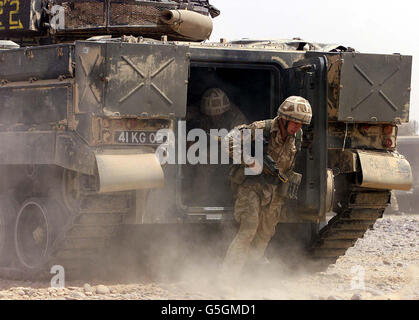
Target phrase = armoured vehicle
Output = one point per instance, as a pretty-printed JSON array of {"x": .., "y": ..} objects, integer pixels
[{"x": 80, "y": 116}]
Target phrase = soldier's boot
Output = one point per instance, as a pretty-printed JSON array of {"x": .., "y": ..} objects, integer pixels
[
  {"x": 260, "y": 261},
  {"x": 257, "y": 251},
  {"x": 246, "y": 211}
]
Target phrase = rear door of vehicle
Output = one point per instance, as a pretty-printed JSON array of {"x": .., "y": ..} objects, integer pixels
[{"x": 308, "y": 78}]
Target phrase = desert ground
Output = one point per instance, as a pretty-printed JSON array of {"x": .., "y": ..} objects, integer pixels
[{"x": 382, "y": 265}]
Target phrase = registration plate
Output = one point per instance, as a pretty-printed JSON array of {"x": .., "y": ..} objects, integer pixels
[{"x": 138, "y": 137}]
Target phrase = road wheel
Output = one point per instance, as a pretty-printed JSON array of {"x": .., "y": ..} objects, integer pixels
[{"x": 39, "y": 223}]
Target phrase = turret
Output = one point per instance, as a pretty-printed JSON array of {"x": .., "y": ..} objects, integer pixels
[{"x": 32, "y": 22}]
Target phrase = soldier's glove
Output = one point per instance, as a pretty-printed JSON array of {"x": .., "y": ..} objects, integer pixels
[{"x": 294, "y": 180}]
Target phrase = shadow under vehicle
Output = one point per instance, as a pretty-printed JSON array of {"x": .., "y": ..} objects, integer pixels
[{"x": 78, "y": 123}]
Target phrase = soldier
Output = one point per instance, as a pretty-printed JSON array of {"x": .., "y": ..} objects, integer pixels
[
  {"x": 217, "y": 112},
  {"x": 259, "y": 199}
]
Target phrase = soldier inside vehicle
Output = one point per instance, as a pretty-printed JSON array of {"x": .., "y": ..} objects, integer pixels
[{"x": 245, "y": 95}]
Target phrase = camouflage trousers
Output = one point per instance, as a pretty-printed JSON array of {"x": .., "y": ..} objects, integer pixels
[{"x": 258, "y": 209}]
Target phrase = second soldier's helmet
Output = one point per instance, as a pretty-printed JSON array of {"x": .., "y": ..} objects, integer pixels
[
  {"x": 296, "y": 109},
  {"x": 215, "y": 102}
]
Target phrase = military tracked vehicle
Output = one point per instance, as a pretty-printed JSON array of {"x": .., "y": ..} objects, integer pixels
[{"x": 82, "y": 100}]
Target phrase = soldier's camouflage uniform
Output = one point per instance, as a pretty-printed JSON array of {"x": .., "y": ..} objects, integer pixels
[
  {"x": 228, "y": 120},
  {"x": 259, "y": 200}
]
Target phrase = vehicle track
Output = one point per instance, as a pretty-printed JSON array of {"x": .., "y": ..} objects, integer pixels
[
  {"x": 357, "y": 215},
  {"x": 95, "y": 222}
]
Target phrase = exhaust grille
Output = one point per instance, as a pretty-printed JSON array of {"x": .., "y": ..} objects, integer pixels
[
  {"x": 84, "y": 14},
  {"x": 124, "y": 13}
]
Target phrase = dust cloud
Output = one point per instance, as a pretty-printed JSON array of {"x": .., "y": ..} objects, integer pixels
[{"x": 187, "y": 267}]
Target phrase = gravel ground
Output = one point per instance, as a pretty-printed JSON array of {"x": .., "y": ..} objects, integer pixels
[{"x": 382, "y": 265}]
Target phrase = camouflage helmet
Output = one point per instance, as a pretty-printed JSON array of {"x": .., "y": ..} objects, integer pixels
[
  {"x": 296, "y": 109},
  {"x": 215, "y": 102}
]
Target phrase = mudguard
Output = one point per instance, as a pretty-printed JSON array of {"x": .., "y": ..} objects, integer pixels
[
  {"x": 124, "y": 172},
  {"x": 389, "y": 171}
]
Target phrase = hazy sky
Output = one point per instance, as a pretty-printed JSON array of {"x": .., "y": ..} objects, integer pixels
[{"x": 369, "y": 26}]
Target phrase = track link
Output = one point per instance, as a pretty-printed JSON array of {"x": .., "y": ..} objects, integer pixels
[{"x": 342, "y": 231}]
